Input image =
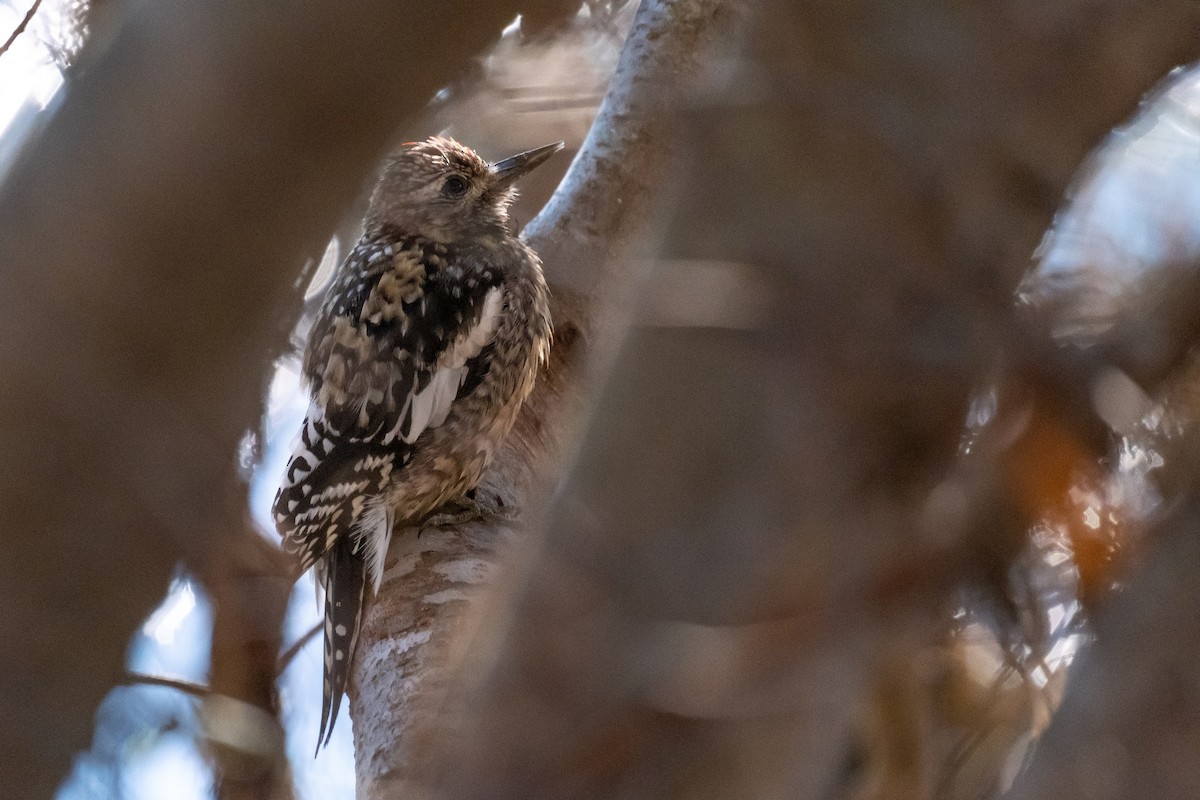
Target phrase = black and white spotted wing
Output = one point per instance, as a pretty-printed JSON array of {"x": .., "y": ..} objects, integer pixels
[
  {"x": 402, "y": 316},
  {"x": 400, "y": 335}
]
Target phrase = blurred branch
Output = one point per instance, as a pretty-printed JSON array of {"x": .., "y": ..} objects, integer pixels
[
  {"x": 20, "y": 27},
  {"x": 187, "y": 687},
  {"x": 249, "y": 581},
  {"x": 286, "y": 657}
]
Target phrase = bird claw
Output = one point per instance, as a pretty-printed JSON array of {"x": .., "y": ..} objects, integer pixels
[{"x": 477, "y": 504}]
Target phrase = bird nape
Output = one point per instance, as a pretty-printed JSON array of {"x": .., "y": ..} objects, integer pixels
[{"x": 426, "y": 345}]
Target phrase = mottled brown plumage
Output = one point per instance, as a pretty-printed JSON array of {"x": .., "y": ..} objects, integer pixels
[{"x": 427, "y": 343}]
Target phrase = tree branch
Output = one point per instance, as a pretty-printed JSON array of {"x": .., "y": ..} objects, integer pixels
[
  {"x": 249, "y": 582},
  {"x": 607, "y": 201},
  {"x": 20, "y": 27},
  {"x": 286, "y": 657},
  {"x": 187, "y": 687}
]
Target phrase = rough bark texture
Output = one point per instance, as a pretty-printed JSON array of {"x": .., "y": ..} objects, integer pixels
[
  {"x": 148, "y": 237},
  {"x": 755, "y": 523}
]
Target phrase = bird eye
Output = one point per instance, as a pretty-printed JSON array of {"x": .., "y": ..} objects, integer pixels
[{"x": 454, "y": 186}]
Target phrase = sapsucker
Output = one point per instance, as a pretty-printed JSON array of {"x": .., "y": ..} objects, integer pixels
[{"x": 424, "y": 349}]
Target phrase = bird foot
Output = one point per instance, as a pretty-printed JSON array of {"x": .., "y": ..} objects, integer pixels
[{"x": 477, "y": 504}]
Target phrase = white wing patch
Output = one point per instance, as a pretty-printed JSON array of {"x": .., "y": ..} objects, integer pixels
[
  {"x": 431, "y": 405},
  {"x": 373, "y": 534}
]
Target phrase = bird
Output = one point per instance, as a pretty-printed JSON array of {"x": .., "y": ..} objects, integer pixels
[{"x": 423, "y": 350}]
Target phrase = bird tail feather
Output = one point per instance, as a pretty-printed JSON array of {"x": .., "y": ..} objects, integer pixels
[{"x": 345, "y": 581}]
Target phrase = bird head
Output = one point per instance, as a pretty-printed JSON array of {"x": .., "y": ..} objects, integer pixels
[{"x": 442, "y": 190}]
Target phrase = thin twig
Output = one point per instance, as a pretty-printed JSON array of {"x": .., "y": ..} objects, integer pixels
[
  {"x": 286, "y": 657},
  {"x": 21, "y": 28},
  {"x": 187, "y": 687}
]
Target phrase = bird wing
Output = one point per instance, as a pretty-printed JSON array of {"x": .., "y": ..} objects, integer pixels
[
  {"x": 396, "y": 338},
  {"x": 403, "y": 332}
]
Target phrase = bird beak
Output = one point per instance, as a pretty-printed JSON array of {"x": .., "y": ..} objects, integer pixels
[{"x": 510, "y": 169}]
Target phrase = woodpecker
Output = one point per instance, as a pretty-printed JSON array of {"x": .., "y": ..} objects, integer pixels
[{"x": 426, "y": 344}]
